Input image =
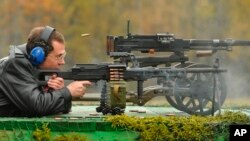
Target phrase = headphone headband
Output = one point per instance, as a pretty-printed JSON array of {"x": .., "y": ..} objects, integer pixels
[{"x": 47, "y": 31}]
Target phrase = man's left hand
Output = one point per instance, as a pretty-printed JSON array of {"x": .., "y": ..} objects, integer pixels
[{"x": 56, "y": 82}]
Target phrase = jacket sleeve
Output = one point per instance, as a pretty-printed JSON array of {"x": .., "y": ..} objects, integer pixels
[{"x": 23, "y": 91}]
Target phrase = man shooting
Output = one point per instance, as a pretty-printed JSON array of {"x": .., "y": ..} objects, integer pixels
[{"x": 20, "y": 93}]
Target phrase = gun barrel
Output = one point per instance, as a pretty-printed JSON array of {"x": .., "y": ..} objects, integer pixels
[
  {"x": 205, "y": 70},
  {"x": 151, "y": 72},
  {"x": 221, "y": 44}
]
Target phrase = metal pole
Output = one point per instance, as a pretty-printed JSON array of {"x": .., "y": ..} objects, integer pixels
[
  {"x": 214, "y": 91},
  {"x": 215, "y": 66}
]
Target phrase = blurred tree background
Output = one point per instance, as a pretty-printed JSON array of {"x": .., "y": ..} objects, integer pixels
[{"x": 209, "y": 19}]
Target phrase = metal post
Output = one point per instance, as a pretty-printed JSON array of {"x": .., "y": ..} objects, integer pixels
[
  {"x": 140, "y": 91},
  {"x": 215, "y": 66},
  {"x": 214, "y": 91}
]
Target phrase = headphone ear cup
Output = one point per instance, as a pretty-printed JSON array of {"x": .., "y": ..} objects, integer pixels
[{"x": 37, "y": 56}]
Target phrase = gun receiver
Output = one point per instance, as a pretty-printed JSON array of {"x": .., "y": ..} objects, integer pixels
[{"x": 91, "y": 72}]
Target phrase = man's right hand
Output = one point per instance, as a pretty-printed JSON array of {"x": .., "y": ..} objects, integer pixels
[{"x": 78, "y": 88}]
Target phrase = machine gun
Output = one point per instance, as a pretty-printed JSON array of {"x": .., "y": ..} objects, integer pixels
[
  {"x": 191, "y": 93},
  {"x": 121, "y": 46},
  {"x": 116, "y": 74}
]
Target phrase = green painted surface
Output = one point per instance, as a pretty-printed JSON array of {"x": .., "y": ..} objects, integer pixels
[
  {"x": 83, "y": 120},
  {"x": 95, "y": 129}
]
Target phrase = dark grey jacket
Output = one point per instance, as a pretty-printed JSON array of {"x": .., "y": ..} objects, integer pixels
[{"x": 20, "y": 94}]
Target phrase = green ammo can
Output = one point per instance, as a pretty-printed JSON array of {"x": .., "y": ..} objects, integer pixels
[{"x": 118, "y": 94}]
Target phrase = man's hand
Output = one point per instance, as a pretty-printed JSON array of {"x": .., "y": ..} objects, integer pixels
[
  {"x": 78, "y": 88},
  {"x": 56, "y": 82}
]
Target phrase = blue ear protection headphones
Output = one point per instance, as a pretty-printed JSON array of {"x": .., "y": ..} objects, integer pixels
[{"x": 41, "y": 48}]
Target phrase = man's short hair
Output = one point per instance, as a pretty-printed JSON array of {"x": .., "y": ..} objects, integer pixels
[{"x": 34, "y": 36}]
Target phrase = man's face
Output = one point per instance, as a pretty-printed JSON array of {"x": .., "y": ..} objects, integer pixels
[{"x": 55, "y": 59}]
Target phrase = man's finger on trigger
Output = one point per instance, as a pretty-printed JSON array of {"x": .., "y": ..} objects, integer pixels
[{"x": 86, "y": 83}]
